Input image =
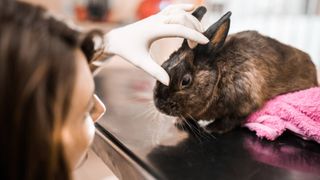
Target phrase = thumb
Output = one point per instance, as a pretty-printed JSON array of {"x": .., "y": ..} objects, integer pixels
[
  {"x": 146, "y": 63},
  {"x": 156, "y": 71}
]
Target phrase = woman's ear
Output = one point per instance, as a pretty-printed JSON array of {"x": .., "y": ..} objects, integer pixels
[{"x": 218, "y": 32}]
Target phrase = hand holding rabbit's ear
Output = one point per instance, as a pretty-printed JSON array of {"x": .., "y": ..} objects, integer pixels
[
  {"x": 198, "y": 14},
  {"x": 216, "y": 33},
  {"x": 132, "y": 42}
]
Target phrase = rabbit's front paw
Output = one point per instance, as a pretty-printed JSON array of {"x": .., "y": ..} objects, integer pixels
[{"x": 221, "y": 126}]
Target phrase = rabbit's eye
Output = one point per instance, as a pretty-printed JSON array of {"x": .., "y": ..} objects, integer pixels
[{"x": 186, "y": 81}]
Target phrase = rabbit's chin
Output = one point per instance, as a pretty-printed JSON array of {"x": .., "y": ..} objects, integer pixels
[{"x": 169, "y": 112}]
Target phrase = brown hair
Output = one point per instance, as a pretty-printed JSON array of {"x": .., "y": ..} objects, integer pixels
[{"x": 37, "y": 75}]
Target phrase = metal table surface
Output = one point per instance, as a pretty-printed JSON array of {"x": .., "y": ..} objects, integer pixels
[{"x": 137, "y": 142}]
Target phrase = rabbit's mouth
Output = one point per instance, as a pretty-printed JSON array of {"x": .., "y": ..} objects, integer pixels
[{"x": 170, "y": 111}]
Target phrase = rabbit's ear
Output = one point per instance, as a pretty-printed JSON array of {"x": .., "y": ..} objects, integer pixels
[
  {"x": 218, "y": 32},
  {"x": 199, "y": 12}
]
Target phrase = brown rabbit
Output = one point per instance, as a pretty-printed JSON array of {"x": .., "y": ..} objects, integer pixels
[{"x": 230, "y": 77}]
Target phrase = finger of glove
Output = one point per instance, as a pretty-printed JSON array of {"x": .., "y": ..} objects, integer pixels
[
  {"x": 155, "y": 70},
  {"x": 176, "y": 30},
  {"x": 185, "y": 19},
  {"x": 189, "y": 21},
  {"x": 177, "y": 7},
  {"x": 146, "y": 63}
]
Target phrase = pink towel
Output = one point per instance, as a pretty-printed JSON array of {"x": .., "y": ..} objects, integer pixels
[{"x": 298, "y": 112}]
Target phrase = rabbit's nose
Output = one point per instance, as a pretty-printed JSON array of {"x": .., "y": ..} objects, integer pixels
[
  {"x": 162, "y": 93},
  {"x": 159, "y": 102}
]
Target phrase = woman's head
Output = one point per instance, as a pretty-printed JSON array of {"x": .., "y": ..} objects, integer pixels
[{"x": 46, "y": 95}]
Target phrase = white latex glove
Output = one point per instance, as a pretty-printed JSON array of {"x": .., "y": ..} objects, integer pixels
[{"x": 132, "y": 42}]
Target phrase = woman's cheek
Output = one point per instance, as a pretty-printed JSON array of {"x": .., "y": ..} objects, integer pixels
[
  {"x": 89, "y": 129},
  {"x": 87, "y": 136},
  {"x": 77, "y": 138}
]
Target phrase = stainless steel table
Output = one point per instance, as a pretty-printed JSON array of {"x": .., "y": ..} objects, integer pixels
[{"x": 137, "y": 142}]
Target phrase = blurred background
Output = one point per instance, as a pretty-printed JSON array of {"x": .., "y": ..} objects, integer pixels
[{"x": 295, "y": 22}]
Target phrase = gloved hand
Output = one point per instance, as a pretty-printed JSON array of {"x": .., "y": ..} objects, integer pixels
[{"x": 132, "y": 42}]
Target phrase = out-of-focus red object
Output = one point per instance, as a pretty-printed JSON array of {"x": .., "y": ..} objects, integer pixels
[
  {"x": 150, "y": 7},
  {"x": 199, "y": 2},
  {"x": 81, "y": 13}
]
